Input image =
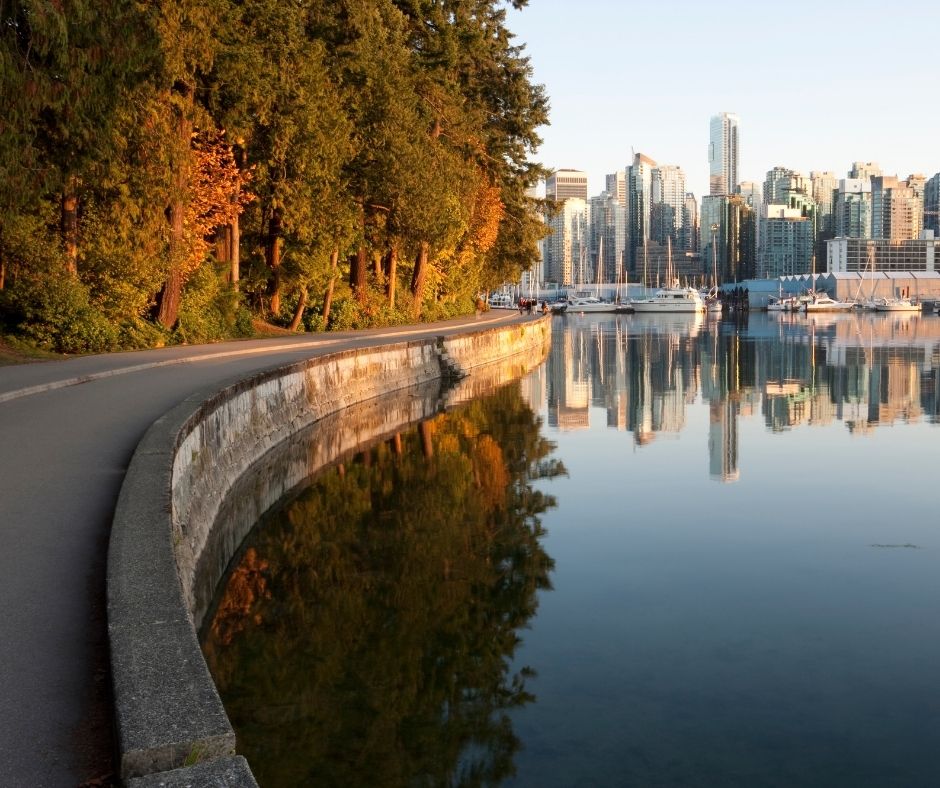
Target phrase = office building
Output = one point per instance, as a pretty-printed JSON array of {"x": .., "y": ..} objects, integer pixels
[
  {"x": 688, "y": 240},
  {"x": 852, "y": 208},
  {"x": 727, "y": 238},
  {"x": 897, "y": 208},
  {"x": 882, "y": 255},
  {"x": 639, "y": 181},
  {"x": 668, "y": 190},
  {"x": 786, "y": 242},
  {"x": 864, "y": 169},
  {"x": 564, "y": 252},
  {"x": 564, "y": 184},
  {"x": 616, "y": 186},
  {"x": 608, "y": 227},
  {"x": 723, "y": 153},
  {"x": 932, "y": 205}
]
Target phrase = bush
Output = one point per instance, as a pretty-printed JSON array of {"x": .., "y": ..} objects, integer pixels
[
  {"x": 211, "y": 309},
  {"x": 55, "y": 313}
]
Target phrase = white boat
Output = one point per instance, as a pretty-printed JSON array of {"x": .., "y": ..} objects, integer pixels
[
  {"x": 896, "y": 305},
  {"x": 583, "y": 302},
  {"x": 780, "y": 304},
  {"x": 822, "y": 302},
  {"x": 712, "y": 302},
  {"x": 671, "y": 299},
  {"x": 502, "y": 301}
]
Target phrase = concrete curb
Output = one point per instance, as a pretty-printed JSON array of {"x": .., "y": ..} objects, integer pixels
[{"x": 167, "y": 710}]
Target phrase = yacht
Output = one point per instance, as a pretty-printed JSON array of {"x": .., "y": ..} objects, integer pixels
[
  {"x": 896, "y": 305},
  {"x": 502, "y": 301},
  {"x": 585, "y": 302},
  {"x": 671, "y": 299},
  {"x": 822, "y": 302}
]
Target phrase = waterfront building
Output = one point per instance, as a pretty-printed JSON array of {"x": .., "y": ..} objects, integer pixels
[
  {"x": 668, "y": 199},
  {"x": 786, "y": 242},
  {"x": 688, "y": 240},
  {"x": 608, "y": 223},
  {"x": 852, "y": 209},
  {"x": 723, "y": 153},
  {"x": 883, "y": 255},
  {"x": 932, "y": 205},
  {"x": 728, "y": 238},
  {"x": 564, "y": 252},
  {"x": 639, "y": 181},
  {"x": 896, "y": 207},
  {"x": 563, "y": 184}
]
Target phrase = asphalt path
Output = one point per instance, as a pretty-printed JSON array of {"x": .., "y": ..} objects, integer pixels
[{"x": 67, "y": 433}]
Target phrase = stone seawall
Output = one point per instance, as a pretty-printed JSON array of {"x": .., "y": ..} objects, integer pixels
[{"x": 170, "y": 546}]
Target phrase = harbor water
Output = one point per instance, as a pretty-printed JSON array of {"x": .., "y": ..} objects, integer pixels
[{"x": 682, "y": 552}]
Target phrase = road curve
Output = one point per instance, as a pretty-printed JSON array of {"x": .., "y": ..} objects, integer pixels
[{"x": 67, "y": 432}]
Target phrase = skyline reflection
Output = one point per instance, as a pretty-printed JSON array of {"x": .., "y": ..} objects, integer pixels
[{"x": 645, "y": 371}]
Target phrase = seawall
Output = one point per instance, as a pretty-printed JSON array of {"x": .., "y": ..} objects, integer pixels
[{"x": 176, "y": 526}]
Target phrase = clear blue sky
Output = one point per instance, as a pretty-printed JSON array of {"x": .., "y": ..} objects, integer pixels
[{"x": 817, "y": 85}]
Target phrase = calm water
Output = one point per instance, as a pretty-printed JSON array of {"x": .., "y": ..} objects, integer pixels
[{"x": 682, "y": 552}]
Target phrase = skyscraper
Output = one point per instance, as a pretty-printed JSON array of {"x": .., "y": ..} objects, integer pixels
[
  {"x": 723, "y": 153},
  {"x": 897, "y": 208},
  {"x": 668, "y": 189},
  {"x": 688, "y": 241},
  {"x": 564, "y": 252},
  {"x": 639, "y": 178},
  {"x": 608, "y": 221},
  {"x": 932, "y": 205},
  {"x": 852, "y": 210},
  {"x": 563, "y": 184},
  {"x": 616, "y": 186}
]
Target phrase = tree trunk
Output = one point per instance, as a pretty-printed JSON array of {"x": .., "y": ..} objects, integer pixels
[
  {"x": 299, "y": 312},
  {"x": 69, "y": 227},
  {"x": 427, "y": 444},
  {"x": 272, "y": 254},
  {"x": 357, "y": 274},
  {"x": 328, "y": 297},
  {"x": 168, "y": 300},
  {"x": 3, "y": 270},
  {"x": 235, "y": 239},
  {"x": 377, "y": 266},
  {"x": 418, "y": 277},
  {"x": 391, "y": 272}
]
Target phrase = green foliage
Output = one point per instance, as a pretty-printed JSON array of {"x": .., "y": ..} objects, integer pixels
[
  {"x": 366, "y": 124},
  {"x": 211, "y": 309},
  {"x": 55, "y": 313}
]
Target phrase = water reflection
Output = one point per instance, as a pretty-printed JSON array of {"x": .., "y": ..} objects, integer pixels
[
  {"x": 366, "y": 632},
  {"x": 645, "y": 371}
]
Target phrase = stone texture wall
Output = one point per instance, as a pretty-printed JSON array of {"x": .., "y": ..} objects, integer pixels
[{"x": 169, "y": 546}]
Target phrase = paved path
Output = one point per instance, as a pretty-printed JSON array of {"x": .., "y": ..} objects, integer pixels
[{"x": 67, "y": 432}]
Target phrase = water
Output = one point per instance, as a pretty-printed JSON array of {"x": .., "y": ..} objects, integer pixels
[{"x": 683, "y": 552}]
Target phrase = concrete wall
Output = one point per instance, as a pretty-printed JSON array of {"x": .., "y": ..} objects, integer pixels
[{"x": 173, "y": 536}]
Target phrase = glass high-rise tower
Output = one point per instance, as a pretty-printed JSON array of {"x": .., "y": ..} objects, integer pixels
[{"x": 723, "y": 153}]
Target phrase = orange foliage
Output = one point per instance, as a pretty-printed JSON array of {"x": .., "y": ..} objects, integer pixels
[
  {"x": 246, "y": 584},
  {"x": 218, "y": 192},
  {"x": 488, "y": 211}
]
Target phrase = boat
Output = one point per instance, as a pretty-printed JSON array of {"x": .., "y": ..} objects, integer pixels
[
  {"x": 587, "y": 302},
  {"x": 780, "y": 304},
  {"x": 712, "y": 301},
  {"x": 558, "y": 307},
  {"x": 896, "y": 305},
  {"x": 502, "y": 301},
  {"x": 671, "y": 299},
  {"x": 822, "y": 302}
]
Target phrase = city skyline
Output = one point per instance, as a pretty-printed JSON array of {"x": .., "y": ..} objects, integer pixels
[{"x": 663, "y": 80}]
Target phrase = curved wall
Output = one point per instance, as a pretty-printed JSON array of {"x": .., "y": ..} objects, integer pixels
[{"x": 169, "y": 547}]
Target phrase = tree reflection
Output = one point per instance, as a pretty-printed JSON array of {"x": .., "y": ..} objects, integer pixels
[{"x": 366, "y": 635}]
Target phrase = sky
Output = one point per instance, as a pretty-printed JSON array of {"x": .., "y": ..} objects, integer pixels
[{"x": 817, "y": 85}]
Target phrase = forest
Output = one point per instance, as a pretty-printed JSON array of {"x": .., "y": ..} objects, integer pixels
[{"x": 190, "y": 170}]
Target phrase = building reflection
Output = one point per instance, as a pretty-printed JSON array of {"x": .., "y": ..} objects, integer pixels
[{"x": 644, "y": 372}]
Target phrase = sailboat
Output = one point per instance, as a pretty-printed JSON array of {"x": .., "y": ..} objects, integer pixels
[
  {"x": 584, "y": 300},
  {"x": 672, "y": 298}
]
